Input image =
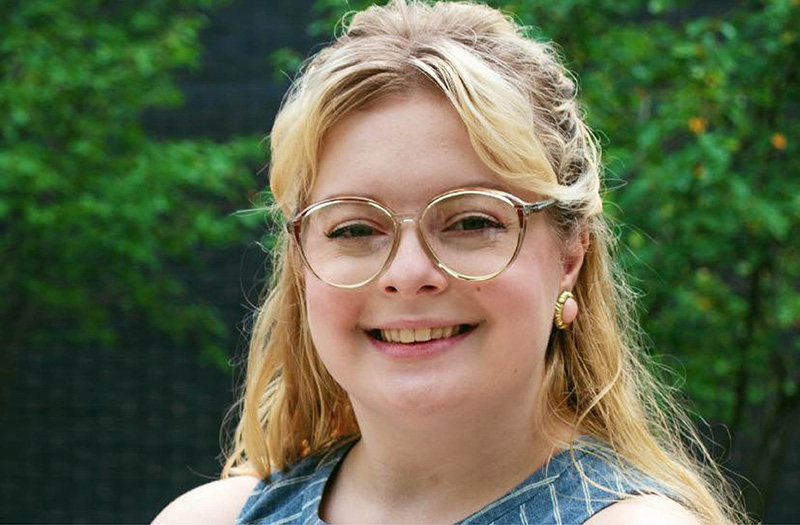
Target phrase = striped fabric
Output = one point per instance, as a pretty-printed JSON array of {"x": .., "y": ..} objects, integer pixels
[{"x": 555, "y": 494}]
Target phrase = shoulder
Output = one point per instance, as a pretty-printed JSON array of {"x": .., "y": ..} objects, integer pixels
[
  {"x": 650, "y": 509},
  {"x": 220, "y": 501},
  {"x": 597, "y": 487},
  {"x": 294, "y": 494}
]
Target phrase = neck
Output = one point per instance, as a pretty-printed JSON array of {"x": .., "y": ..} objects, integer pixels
[{"x": 436, "y": 468}]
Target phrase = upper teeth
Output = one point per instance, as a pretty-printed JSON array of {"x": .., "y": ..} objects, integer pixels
[{"x": 417, "y": 335}]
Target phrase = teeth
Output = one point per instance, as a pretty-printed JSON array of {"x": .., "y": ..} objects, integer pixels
[{"x": 419, "y": 335}]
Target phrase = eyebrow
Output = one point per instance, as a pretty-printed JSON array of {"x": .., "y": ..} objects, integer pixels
[{"x": 476, "y": 184}]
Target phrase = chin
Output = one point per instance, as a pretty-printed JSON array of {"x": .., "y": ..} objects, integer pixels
[{"x": 421, "y": 396}]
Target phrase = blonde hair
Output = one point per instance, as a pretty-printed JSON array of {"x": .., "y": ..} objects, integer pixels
[{"x": 519, "y": 106}]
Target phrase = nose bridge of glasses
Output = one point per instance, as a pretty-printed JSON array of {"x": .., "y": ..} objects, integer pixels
[
  {"x": 406, "y": 218},
  {"x": 411, "y": 220}
]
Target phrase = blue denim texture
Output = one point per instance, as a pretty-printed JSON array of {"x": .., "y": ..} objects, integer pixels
[{"x": 555, "y": 494}]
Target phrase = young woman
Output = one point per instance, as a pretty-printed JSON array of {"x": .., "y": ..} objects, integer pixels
[{"x": 446, "y": 338}]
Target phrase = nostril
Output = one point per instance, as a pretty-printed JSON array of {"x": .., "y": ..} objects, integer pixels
[{"x": 412, "y": 272}]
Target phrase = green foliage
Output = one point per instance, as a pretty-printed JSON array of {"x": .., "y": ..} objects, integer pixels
[
  {"x": 699, "y": 114},
  {"x": 95, "y": 217},
  {"x": 701, "y": 123},
  {"x": 699, "y": 118}
]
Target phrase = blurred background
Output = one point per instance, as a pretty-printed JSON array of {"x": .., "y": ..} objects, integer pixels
[{"x": 133, "y": 133}]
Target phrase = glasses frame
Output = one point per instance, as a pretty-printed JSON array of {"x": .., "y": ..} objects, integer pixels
[{"x": 524, "y": 210}]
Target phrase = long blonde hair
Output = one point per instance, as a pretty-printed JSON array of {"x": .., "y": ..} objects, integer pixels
[{"x": 519, "y": 106}]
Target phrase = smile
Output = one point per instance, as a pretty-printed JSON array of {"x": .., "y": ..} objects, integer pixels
[{"x": 419, "y": 335}]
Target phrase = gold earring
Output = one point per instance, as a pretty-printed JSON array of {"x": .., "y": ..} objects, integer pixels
[{"x": 562, "y": 299}]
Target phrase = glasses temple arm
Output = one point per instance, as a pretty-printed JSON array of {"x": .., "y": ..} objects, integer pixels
[{"x": 533, "y": 207}]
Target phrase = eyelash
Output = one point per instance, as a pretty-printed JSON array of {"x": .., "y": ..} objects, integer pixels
[
  {"x": 492, "y": 223},
  {"x": 341, "y": 231}
]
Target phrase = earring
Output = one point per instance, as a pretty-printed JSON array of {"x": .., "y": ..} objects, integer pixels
[{"x": 566, "y": 309}]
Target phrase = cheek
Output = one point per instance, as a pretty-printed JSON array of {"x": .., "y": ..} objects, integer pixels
[
  {"x": 322, "y": 306},
  {"x": 523, "y": 301},
  {"x": 332, "y": 316},
  {"x": 523, "y": 308}
]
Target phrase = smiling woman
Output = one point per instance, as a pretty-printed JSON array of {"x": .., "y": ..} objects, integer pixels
[
  {"x": 494, "y": 357},
  {"x": 446, "y": 338}
]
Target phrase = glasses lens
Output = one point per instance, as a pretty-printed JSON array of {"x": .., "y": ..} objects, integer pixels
[
  {"x": 347, "y": 243},
  {"x": 473, "y": 234}
]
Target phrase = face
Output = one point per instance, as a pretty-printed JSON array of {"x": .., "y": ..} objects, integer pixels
[{"x": 402, "y": 153}]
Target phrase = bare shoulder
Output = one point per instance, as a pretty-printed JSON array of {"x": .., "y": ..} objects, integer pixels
[
  {"x": 220, "y": 501},
  {"x": 650, "y": 509}
]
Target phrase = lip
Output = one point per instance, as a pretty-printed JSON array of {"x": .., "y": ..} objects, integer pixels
[
  {"x": 431, "y": 348},
  {"x": 419, "y": 323}
]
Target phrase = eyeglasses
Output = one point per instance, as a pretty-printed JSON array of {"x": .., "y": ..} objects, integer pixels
[{"x": 470, "y": 233}]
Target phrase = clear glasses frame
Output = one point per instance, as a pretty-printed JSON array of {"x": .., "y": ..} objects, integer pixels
[{"x": 524, "y": 210}]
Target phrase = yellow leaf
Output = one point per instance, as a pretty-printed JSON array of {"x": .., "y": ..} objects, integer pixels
[
  {"x": 698, "y": 125},
  {"x": 779, "y": 141}
]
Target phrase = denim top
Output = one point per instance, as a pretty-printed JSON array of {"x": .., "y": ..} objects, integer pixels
[{"x": 554, "y": 494}]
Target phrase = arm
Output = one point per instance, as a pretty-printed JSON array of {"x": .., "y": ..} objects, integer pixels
[
  {"x": 220, "y": 501},
  {"x": 653, "y": 510}
]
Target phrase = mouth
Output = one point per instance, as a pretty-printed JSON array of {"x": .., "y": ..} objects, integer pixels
[{"x": 419, "y": 335}]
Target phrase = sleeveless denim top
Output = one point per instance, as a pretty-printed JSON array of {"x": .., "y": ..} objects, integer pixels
[{"x": 554, "y": 494}]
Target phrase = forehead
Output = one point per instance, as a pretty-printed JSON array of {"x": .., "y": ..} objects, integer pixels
[{"x": 402, "y": 151}]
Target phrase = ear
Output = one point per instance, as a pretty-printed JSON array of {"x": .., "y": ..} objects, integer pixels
[{"x": 572, "y": 261}]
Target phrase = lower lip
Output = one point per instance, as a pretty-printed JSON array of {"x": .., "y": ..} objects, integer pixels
[{"x": 417, "y": 350}]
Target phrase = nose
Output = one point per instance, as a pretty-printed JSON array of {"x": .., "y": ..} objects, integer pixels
[{"x": 412, "y": 272}]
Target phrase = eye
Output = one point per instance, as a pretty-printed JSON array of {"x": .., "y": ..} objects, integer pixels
[
  {"x": 352, "y": 231},
  {"x": 474, "y": 223}
]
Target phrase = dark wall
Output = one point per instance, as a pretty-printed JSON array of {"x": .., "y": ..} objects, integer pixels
[
  {"x": 235, "y": 93},
  {"x": 99, "y": 435}
]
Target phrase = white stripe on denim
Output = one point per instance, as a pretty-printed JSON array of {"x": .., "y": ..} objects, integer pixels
[
  {"x": 287, "y": 519},
  {"x": 310, "y": 502},
  {"x": 585, "y": 486},
  {"x": 309, "y": 518},
  {"x": 521, "y": 490},
  {"x": 317, "y": 482},
  {"x": 291, "y": 481},
  {"x": 554, "y": 499},
  {"x": 522, "y": 517},
  {"x": 322, "y": 461},
  {"x": 619, "y": 484}
]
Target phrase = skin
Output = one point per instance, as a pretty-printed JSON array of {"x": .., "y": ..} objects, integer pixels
[
  {"x": 445, "y": 434},
  {"x": 220, "y": 501},
  {"x": 430, "y": 425}
]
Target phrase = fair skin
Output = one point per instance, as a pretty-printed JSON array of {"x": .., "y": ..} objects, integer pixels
[
  {"x": 220, "y": 501},
  {"x": 430, "y": 425},
  {"x": 429, "y": 450}
]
